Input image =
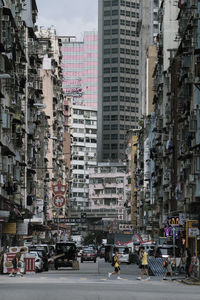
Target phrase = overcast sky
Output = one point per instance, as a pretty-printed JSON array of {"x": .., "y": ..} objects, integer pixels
[{"x": 70, "y": 17}]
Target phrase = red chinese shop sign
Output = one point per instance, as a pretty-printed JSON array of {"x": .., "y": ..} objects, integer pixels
[{"x": 59, "y": 191}]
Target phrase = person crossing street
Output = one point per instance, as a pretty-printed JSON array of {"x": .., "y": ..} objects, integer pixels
[{"x": 116, "y": 266}]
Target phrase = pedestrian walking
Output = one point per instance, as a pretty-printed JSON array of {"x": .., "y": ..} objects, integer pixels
[
  {"x": 115, "y": 264},
  {"x": 144, "y": 267},
  {"x": 188, "y": 263},
  {"x": 167, "y": 264},
  {"x": 17, "y": 264}
]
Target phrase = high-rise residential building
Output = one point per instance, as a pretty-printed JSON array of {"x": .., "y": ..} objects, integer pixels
[
  {"x": 118, "y": 88},
  {"x": 79, "y": 63},
  {"x": 81, "y": 124},
  {"x": 148, "y": 29}
]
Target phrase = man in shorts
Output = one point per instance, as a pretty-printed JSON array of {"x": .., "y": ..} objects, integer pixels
[
  {"x": 144, "y": 264},
  {"x": 17, "y": 264},
  {"x": 116, "y": 266}
]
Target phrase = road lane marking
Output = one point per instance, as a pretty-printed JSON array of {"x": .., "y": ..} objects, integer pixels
[{"x": 83, "y": 278}]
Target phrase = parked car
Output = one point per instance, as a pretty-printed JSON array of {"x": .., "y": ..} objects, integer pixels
[
  {"x": 167, "y": 250},
  {"x": 67, "y": 253},
  {"x": 39, "y": 264},
  {"x": 88, "y": 255},
  {"x": 43, "y": 255},
  {"x": 44, "y": 247}
]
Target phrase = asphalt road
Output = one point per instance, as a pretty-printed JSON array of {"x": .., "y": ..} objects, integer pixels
[{"x": 87, "y": 283}]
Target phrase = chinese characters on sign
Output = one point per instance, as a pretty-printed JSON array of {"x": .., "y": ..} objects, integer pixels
[{"x": 59, "y": 191}]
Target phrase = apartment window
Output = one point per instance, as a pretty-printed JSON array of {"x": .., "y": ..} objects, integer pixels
[
  {"x": 133, "y": 14},
  {"x": 106, "y": 89},
  {"x": 114, "y": 41},
  {"x": 115, "y": 12},
  {"x": 128, "y": 23},
  {"x": 132, "y": 118},
  {"x": 114, "y": 50},
  {"x": 133, "y": 109},
  {"x": 121, "y": 127},
  {"x": 122, "y": 12},
  {"x": 128, "y": 4},
  {"x": 115, "y": 22},
  {"x": 106, "y": 98},
  {"x": 128, "y": 42},
  {"x": 114, "y": 31},
  {"x": 122, "y": 118},
  {"x": 133, "y": 24},
  {"x": 114, "y": 89},
  {"x": 128, "y": 13},
  {"x": 114, "y": 98},
  {"x": 106, "y": 22},
  {"x": 106, "y": 70},
  {"x": 106, "y": 118},
  {"x": 114, "y": 136},
  {"x": 121, "y": 146},
  {"x": 106, "y": 146},
  {"x": 122, "y": 79},
  {"x": 122, "y": 89},
  {"x": 106, "y": 51},
  {"x": 106, "y": 127},
  {"x": 127, "y": 118},
  {"x": 114, "y": 127},
  {"x": 106, "y": 136},
  {"x": 106, "y": 13},
  {"x": 106, "y": 79},
  {"x": 114, "y": 70},
  {"x": 128, "y": 32},
  {"x": 115, "y": 2},
  {"x": 106, "y": 156},
  {"x": 127, "y": 108},
  {"x": 106, "y": 60},
  {"x": 114, "y": 155},
  {"x": 114, "y": 146},
  {"x": 114, "y": 108},
  {"x": 122, "y": 22},
  {"x": 107, "y": 42},
  {"x": 107, "y": 32},
  {"x": 121, "y": 70},
  {"x": 114, "y": 79},
  {"x": 122, "y": 31},
  {"x": 121, "y": 136},
  {"x": 106, "y": 108},
  {"x": 122, "y": 98},
  {"x": 122, "y": 60},
  {"x": 122, "y": 50},
  {"x": 128, "y": 71},
  {"x": 115, "y": 60},
  {"x": 121, "y": 108},
  {"x": 114, "y": 117},
  {"x": 122, "y": 41},
  {"x": 107, "y": 3}
]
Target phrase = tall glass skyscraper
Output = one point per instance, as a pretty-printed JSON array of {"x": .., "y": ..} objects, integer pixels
[
  {"x": 118, "y": 86},
  {"x": 79, "y": 64}
]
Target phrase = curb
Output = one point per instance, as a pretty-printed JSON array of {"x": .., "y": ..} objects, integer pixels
[{"x": 191, "y": 282}]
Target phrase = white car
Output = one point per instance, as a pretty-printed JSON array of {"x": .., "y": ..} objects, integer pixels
[
  {"x": 124, "y": 254},
  {"x": 38, "y": 261}
]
